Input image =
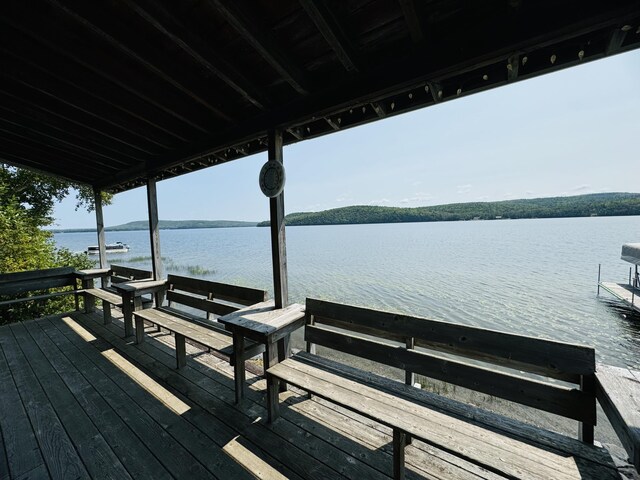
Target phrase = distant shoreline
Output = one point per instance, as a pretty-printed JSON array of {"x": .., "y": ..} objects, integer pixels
[{"x": 580, "y": 206}]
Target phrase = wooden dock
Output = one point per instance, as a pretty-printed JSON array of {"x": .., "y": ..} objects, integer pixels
[
  {"x": 624, "y": 293},
  {"x": 79, "y": 401}
]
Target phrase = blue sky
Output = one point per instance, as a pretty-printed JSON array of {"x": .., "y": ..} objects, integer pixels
[{"x": 571, "y": 132}]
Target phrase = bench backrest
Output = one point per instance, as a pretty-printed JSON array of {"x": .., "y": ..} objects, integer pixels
[
  {"x": 33, "y": 280},
  {"x": 483, "y": 360},
  {"x": 211, "y": 297},
  {"x": 120, "y": 274}
]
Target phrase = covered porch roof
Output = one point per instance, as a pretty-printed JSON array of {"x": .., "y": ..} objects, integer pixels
[{"x": 113, "y": 93}]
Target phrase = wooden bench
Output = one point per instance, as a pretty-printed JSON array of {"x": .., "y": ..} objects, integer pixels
[
  {"x": 194, "y": 305},
  {"x": 109, "y": 295},
  {"x": 18, "y": 284},
  {"x": 517, "y": 368},
  {"x": 618, "y": 392}
]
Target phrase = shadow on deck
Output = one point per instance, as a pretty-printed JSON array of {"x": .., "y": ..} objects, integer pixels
[{"x": 79, "y": 401}]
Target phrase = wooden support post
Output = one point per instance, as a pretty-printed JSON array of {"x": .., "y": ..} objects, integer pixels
[
  {"x": 181, "y": 351},
  {"x": 238, "y": 366},
  {"x": 409, "y": 376},
  {"x": 588, "y": 385},
  {"x": 154, "y": 234},
  {"x": 278, "y": 243},
  {"x": 399, "y": 440},
  {"x": 102, "y": 244},
  {"x": 139, "y": 330},
  {"x": 270, "y": 358}
]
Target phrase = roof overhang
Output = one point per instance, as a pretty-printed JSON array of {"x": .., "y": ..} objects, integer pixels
[{"x": 110, "y": 94}]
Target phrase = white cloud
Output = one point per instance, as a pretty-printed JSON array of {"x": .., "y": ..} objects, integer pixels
[
  {"x": 382, "y": 201},
  {"x": 581, "y": 188},
  {"x": 463, "y": 189}
]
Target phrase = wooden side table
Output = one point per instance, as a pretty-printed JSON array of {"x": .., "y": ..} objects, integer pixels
[{"x": 265, "y": 324}]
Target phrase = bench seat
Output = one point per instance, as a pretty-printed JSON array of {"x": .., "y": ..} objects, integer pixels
[
  {"x": 211, "y": 336},
  {"x": 516, "y": 368},
  {"x": 209, "y": 300},
  {"x": 491, "y": 443},
  {"x": 110, "y": 296},
  {"x": 105, "y": 295}
]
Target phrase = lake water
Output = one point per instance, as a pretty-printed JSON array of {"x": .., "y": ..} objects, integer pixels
[{"x": 535, "y": 277}]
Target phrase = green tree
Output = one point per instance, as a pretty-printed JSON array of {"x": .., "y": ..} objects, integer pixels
[{"x": 26, "y": 205}]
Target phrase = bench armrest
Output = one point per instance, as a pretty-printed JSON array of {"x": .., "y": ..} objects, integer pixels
[
  {"x": 92, "y": 273},
  {"x": 618, "y": 392},
  {"x": 140, "y": 287}
]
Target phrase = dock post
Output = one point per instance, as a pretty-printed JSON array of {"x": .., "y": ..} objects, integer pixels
[
  {"x": 154, "y": 236},
  {"x": 599, "y": 266}
]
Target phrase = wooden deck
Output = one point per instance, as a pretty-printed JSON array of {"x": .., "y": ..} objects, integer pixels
[
  {"x": 78, "y": 401},
  {"x": 623, "y": 292}
]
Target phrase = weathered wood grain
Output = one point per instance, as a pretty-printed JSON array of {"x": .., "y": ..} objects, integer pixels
[
  {"x": 493, "y": 451},
  {"x": 57, "y": 449},
  {"x": 571, "y": 403},
  {"x": 298, "y": 461},
  {"x": 618, "y": 391},
  {"x": 552, "y": 358},
  {"x": 95, "y": 452},
  {"x": 468, "y": 413},
  {"x": 161, "y": 430},
  {"x": 20, "y": 450},
  {"x": 132, "y": 453}
]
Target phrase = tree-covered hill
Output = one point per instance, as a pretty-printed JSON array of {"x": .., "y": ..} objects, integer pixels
[{"x": 598, "y": 204}]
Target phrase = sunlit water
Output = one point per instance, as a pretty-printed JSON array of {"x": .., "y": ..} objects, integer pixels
[{"x": 535, "y": 277}]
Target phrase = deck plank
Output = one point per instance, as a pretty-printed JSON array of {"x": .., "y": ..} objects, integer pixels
[
  {"x": 20, "y": 452},
  {"x": 155, "y": 424},
  {"x": 58, "y": 451},
  {"x": 426, "y": 461},
  {"x": 94, "y": 451},
  {"x": 132, "y": 453},
  {"x": 252, "y": 427}
]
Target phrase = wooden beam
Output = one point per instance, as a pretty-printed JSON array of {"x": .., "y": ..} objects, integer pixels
[
  {"x": 261, "y": 41},
  {"x": 513, "y": 65},
  {"x": 278, "y": 242},
  {"x": 96, "y": 62},
  {"x": 436, "y": 91},
  {"x": 193, "y": 46},
  {"x": 154, "y": 230},
  {"x": 379, "y": 108},
  {"x": 412, "y": 19},
  {"x": 617, "y": 39},
  {"x": 181, "y": 84},
  {"x": 332, "y": 123},
  {"x": 332, "y": 32},
  {"x": 102, "y": 244}
]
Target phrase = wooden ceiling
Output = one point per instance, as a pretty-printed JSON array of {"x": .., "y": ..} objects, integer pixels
[{"x": 110, "y": 92}]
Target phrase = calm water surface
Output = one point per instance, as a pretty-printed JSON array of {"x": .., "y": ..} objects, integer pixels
[{"x": 535, "y": 277}]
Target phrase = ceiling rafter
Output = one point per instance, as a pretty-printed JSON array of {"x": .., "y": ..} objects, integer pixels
[
  {"x": 262, "y": 42},
  {"x": 45, "y": 36},
  {"x": 192, "y": 45},
  {"x": 332, "y": 32},
  {"x": 412, "y": 19},
  {"x": 33, "y": 120},
  {"x": 150, "y": 66}
]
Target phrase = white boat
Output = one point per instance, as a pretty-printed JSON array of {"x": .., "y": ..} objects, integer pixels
[
  {"x": 629, "y": 292},
  {"x": 117, "y": 247}
]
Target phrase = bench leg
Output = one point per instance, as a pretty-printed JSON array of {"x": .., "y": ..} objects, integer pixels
[
  {"x": 127, "y": 313},
  {"x": 273, "y": 400},
  {"x": 139, "y": 330},
  {"x": 399, "y": 442},
  {"x": 89, "y": 301},
  {"x": 238, "y": 365},
  {"x": 106, "y": 312},
  {"x": 284, "y": 351},
  {"x": 181, "y": 351}
]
